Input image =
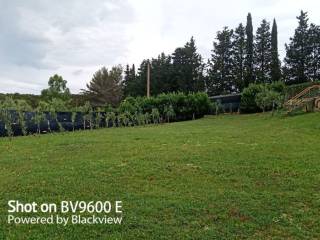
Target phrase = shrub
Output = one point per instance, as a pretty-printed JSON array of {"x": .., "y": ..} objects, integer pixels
[
  {"x": 147, "y": 118},
  {"x": 129, "y": 105},
  {"x": 123, "y": 120},
  {"x": 110, "y": 117},
  {"x": 132, "y": 111},
  {"x": 73, "y": 118},
  {"x": 98, "y": 118},
  {"x": 38, "y": 118},
  {"x": 58, "y": 105},
  {"x": 6, "y": 118},
  {"x": 268, "y": 99},
  {"x": 155, "y": 115},
  {"x": 87, "y": 112},
  {"x": 8, "y": 104},
  {"x": 140, "y": 118},
  {"x": 248, "y": 98},
  {"x": 278, "y": 87},
  {"x": 22, "y": 107},
  {"x": 185, "y": 106},
  {"x": 259, "y": 97},
  {"x": 169, "y": 113}
]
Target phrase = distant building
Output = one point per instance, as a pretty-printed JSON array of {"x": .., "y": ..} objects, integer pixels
[{"x": 228, "y": 103}]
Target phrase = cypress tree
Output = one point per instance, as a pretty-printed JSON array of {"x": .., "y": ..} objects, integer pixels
[
  {"x": 275, "y": 62},
  {"x": 220, "y": 76},
  {"x": 239, "y": 49},
  {"x": 126, "y": 80},
  {"x": 262, "y": 54},
  {"x": 314, "y": 43},
  {"x": 249, "y": 78},
  {"x": 298, "y": 52},
  {"x": 130, "y": 86}
]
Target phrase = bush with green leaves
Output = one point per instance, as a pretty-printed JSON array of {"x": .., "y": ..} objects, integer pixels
[
  {"x": 249, "y": 96},
  {"x": 54, "y": 106},
  {"x": 39, "y": 115},
  {"x": 110, "y": 117},
  {"x": 7, "y": 108},
  {"x": 123, "y": 119},
  {"x": 131, "y": 112},
  {"x": 268, "y": 99},
  {"x": 147, "y": 118},
  {"x": 73, "y": 118},
  {"x": 140, "y": 118},
  {"x": 155, "y": 114},
  {"x": 22, "y": 107},
  {"x": 6, "y": 118},
  {"x": 87, "y": 115},
  {"x": 130, "y": 105},
  {"x": 98, "y": 118},
  {"x": 169, "y": 113},
  {"x": 184, "y": 106}
]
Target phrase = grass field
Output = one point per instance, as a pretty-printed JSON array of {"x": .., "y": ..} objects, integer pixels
[{"x": 225, "y": 177}]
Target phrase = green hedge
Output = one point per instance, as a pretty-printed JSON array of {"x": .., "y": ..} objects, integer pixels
[
  {"x": 249, "y": 95},
  {"x": 183, "y": 105}
]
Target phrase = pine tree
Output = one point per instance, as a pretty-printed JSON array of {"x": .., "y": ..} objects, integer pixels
[
  {"x": 105, "y": 87},
  {"x": 220, "y": 75},
  {"x": 188, "y": 68},
  {"x": 162, "y": 78},
  {"x": 298, "y": 52},
  {"x": 126, "y": 81},
  {"x": 275, "y": 62},
  {"x": 129, "y": 83},
  {"x": 249, "y": 78},
  {"x": 314, "y": 43},
  {"x": 262, "y": 53},
  {"x": 140, "y": 87},
  {"x": 161, "y": 75},
  {"x": 239, "y": 49}
]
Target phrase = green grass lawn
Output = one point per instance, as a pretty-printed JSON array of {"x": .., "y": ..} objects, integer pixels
[{"x": 225, "y": 177}]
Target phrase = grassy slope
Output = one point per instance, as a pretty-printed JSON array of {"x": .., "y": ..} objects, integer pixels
[{"x": 248, "y": 176}]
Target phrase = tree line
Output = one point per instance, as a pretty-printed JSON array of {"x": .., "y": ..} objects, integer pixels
[{"x": 239, "y": 57}]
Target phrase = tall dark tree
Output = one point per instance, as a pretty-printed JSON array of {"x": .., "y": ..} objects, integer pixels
[
  {"x": 162, "y": 80},
  {"x": 249, "y": 77},
  {"x": 220, "y": 75},
  {"x": 188, "y": 68},
  {"x": 105, "y": 87},
  {"x": 314, "y": 60},
  {"x": 275, "y": 62},
  {"x": 126, "y": 80},
  {"x": 262, "y": 53},
  {"x": 298, "y": 52},
  {"x": 239, "y": 50},
  {"x": 130, "y": 82},
  {"x": 140, "y": 88}
]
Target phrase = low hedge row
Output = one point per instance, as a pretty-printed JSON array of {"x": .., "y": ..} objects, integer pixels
[
  {"x": 192, "y": 104},
  {"x": 16, "y": 118}
]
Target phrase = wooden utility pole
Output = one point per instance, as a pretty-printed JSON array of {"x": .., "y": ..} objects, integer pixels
[{"x": 148, "y": 80}]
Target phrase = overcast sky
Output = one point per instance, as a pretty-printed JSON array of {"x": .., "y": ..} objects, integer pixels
[{"x": 74, "y": 38}]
